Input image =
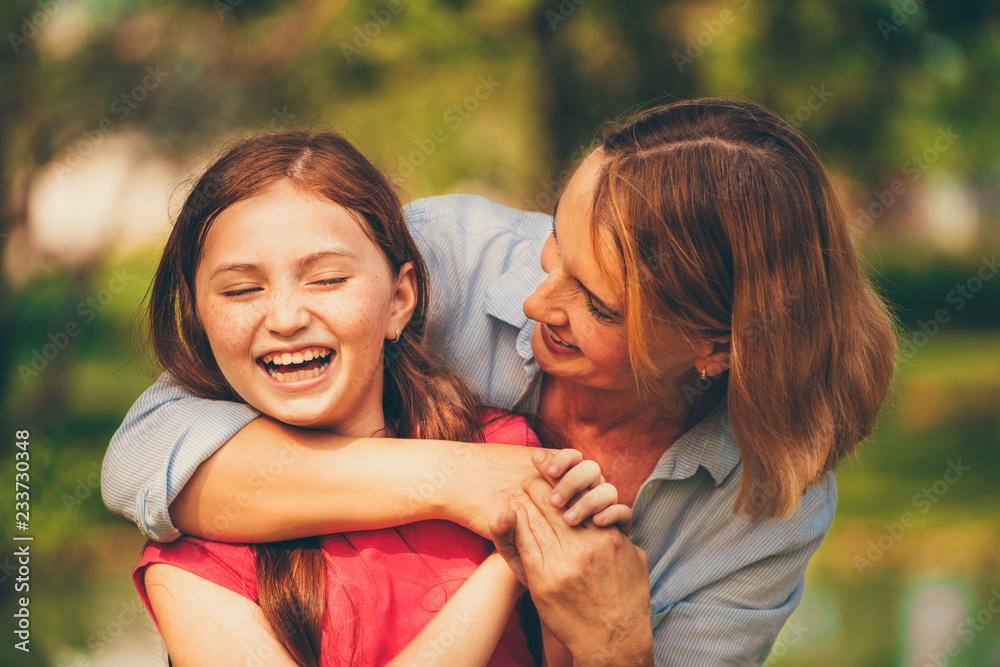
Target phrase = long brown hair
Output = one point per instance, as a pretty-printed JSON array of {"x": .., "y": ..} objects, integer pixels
[
  {"x": 726, "y": 223},
  {"x": 421, "y": 398}
]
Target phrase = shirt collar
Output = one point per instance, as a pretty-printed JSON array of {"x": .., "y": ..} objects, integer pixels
[
  {"x": 504, "y": 298},
  {"x": 709, "y": 444}
]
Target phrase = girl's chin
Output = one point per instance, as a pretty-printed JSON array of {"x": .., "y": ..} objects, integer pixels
[
  {"x": 278, "y": 408},
  {"x": 298, "y": 420}
]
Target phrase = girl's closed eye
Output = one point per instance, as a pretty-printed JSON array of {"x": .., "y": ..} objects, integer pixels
[
  {"x": 330, "y": 281},
  {"x": 240, "y": 291}
]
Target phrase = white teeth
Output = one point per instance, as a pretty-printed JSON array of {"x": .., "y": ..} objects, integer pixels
[{"x": 285, "y": 358}]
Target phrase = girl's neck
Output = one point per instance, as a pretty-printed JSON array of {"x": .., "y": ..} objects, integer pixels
[{"x": 370, "y": 425}]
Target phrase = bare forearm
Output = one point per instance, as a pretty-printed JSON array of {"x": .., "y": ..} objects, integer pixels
[
  {"x": 467, "y": 629},
  {"x": 275, "y": 482}
]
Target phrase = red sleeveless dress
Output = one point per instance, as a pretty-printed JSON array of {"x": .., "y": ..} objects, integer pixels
[{"x": 382, "y": 586}]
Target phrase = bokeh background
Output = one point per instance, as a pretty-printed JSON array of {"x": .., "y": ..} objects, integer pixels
[{"x": 109, "y": 107}]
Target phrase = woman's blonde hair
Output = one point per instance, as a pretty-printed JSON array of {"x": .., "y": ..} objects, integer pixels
[{"x": 726, "y": 223}]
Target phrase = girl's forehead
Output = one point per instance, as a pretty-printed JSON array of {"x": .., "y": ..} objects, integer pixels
[{"x": 284, "y": 224}]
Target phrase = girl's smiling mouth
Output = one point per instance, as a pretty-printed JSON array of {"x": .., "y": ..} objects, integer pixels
[{"x": 293, "y": 367}]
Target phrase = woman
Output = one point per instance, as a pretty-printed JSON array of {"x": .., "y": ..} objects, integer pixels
[
  {"x": 289, "y": 271},
  {"x": 701, "y": 330}
]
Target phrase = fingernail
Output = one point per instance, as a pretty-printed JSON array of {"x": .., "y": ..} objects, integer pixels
[
  {"x": 556, "y": 499},
  {"x": 571, "y": 516},
  {"x": 518, "y": 491},
  {"x": 538, "y": 457},
  {"x": 512, "y": 506},
  {"x": 553, "y": 470}
]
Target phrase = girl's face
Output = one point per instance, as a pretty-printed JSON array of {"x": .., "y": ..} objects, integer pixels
[
  {"x": 297, "y": 303},
  {"x": 579, "y": 332}
]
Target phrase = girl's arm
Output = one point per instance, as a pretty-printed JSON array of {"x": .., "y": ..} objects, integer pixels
[
  {"x": 467, "y": 629},
  {"x": 203, "y": 623}
]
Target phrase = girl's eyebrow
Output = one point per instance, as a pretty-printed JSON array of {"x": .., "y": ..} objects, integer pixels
[
  {"x": 302, "y": 264},
  {"x": 306, "y": 262}
]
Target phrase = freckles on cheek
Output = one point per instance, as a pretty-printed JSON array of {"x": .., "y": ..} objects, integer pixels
[{"x": 223, "y": 326}]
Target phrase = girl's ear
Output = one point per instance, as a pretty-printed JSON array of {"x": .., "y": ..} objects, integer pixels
[{"x": 403, "y": 300}]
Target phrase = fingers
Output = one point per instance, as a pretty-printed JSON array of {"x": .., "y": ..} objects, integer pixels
[
  {"x": 542, "y": 521},
  {"x": 502, "y": 528},
  {"x": 582, "y": 476},
  {"x": 531, "y": 557},
  {"x": 538, "y": 490},
  {"x": 620, "y": 515},
  {"x": 592, "y": 502},
  {"x": 552, "y": 466}
]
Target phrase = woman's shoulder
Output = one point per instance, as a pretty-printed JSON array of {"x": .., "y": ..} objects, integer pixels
[{"x": 507, "y": 428}]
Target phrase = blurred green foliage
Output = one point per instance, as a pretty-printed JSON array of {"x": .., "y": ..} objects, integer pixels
[{"x": 499, "y": 98}]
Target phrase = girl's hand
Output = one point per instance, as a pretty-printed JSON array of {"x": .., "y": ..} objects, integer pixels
[{"x": 581, "y": 489}]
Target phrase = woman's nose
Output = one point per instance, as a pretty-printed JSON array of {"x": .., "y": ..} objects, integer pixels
[
  {"x": 546, "y": 303},
  {"x": 286, "y": 314}
]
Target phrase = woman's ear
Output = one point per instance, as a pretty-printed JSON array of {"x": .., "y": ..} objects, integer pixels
[
  {"x": 403, "y": 300},
  {"x": 714, "y": 356}
]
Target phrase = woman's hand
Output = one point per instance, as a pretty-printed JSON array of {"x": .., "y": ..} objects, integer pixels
[
  {"x": 589, "y": 584},
  {"x": 581, "y": 488}
]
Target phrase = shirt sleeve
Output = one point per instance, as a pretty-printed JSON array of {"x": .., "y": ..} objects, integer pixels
[
  {"x": 736, "y": 619},
  {"x": 164, "y": 438}
]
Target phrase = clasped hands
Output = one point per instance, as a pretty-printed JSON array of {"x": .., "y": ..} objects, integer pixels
[{"x": 565, "y": 537}]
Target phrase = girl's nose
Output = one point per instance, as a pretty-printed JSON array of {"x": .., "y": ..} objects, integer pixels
[{"x": 286, "y": 314}]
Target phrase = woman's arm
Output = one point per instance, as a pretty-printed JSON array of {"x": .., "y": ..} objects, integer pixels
[{"x": 275, "y": 482}]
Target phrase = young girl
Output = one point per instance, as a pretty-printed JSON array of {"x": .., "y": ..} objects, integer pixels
[{"x": 290, "y": 282}]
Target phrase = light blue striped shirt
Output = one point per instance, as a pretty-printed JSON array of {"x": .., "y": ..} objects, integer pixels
[{"x": 721, "y": 585}]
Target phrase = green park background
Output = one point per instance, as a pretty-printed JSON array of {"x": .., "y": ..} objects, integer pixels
[{"x": 109, "y": 107}]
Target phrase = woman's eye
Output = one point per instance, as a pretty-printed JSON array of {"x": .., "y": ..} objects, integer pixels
[{"x": 603, "y": 317}]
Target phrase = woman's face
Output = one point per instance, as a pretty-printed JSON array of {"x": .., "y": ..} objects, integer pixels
[
  {"x": 297, "y": 302},
  {"x": 580, "y": 333}
]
